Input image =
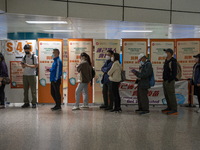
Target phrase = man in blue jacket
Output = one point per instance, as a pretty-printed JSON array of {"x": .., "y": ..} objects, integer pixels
[
  {"x": 55, "y": 78},
  {"x": 107, "y": 94}
]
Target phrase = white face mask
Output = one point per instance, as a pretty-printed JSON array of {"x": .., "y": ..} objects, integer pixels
[
  {"x": 196, "y": 60},
  {"x": 165, "y": 55},
  {"x": 107, "y": 57},
  {"x": 112, "y": 58},
  {"x": 53, "y": 56}
]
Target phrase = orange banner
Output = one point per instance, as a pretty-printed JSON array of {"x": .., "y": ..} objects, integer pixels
[
  {"x": 45, "y": 49},
  {"x": 75, "y": 48}
]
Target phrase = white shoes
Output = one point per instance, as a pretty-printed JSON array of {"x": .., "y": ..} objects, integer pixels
[
  {"x": 198, "y": 110},
  {"x": 85, "y": 106},
  {"x": 75, "y": 108}
]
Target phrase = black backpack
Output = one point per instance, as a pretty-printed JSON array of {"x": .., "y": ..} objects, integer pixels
[{"x": 37, "y": 70}]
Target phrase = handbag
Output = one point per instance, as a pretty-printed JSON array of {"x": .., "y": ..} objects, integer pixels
[{"x": 6, "y": 80}]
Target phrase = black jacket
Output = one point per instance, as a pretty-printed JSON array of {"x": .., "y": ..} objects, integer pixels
[{"x": 170, "y": 72}]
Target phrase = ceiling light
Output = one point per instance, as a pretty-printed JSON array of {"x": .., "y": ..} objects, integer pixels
[
  {"x": 58, "y": 30},
  {"x": 46, "y": 22},
  {"x": 136, "y": 31}
]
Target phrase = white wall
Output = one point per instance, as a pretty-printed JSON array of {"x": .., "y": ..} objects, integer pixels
[{"x": 156, "y": 11}]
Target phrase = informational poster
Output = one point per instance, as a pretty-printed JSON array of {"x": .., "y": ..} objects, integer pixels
[
  {"x": 186, "y": 49},
  {"x": 101, "y": 48},
  {"x": 46, "y": 47},
  {"x": 157, "y": 54},
  {"x": 128, "y": 93},
  {"x": 75, "y": 48},
  {"x": 16, "y": 74},
  {"x": 131, "y": 48}
]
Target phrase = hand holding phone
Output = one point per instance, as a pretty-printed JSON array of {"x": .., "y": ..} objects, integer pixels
[{"x": 133, "y": 71}]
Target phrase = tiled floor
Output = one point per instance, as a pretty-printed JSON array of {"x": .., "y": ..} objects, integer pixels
[{"x": 95, "y": 129}]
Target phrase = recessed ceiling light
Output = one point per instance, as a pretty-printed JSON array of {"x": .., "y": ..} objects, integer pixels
[
  {"x": 46, "y": 22},
  {"x": 58, "y": 30},
  {"x": 136, "y": 31}
]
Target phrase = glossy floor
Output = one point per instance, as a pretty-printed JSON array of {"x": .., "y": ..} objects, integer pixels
[{"x": 95, "y": 129}]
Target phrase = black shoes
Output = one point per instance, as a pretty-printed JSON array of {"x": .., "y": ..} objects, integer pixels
[
  {"x": 26, "y": 105},
  {"x": 56, "y": 108},
  {"x": 109, "y": 108},
  {"x": 116, "y": 110},
  {"x": 34, "y": 105},
  {"x": 103, "y": 106},
  {"x": 138, "y": 110},
  {"x": 144, "y": 112}
]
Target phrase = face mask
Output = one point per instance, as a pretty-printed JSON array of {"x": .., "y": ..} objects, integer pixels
[
  {"x": 27, "y": 53},
  {"x": 196, "y": 60},
  {"x": 107, "y": 57},
  {"x": 141, "y": 62},
  {"x": 53, "y": 56},
  {"x": 165, "y": 54},
  {"x": 112, "y": 58}
]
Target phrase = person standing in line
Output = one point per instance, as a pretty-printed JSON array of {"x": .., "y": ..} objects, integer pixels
[
  {"x": 3, "y": 73},
  {"x": 29, "y": 63},
  {"x": 55, "y": 78},
  {"x": 144, "y": 75},
  {"x": 85, "y": 77},
  {"x": 169, "y": 77},
  {"x": 115, "y": 78},
  {"x": 107, "y": 93},
  {"x": 196, "y": 79}
]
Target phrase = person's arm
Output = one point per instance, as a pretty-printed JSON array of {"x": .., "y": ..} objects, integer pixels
[
  {"x": 198, "y": 78},
  {"x": 79, "y": 67},
  {"x": 113, "y": 69},
  {"x": 174, "y": 71},
  {"x": 106, "y": 67},
  {"x": 4, "y": 69},
  {"x": 34, "y": 65},
  {"x": 57, "y": 69},
  {"x": 145, "y": 72}
]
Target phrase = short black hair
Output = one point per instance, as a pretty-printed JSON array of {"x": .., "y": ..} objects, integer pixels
[
  {"x": 116, "y": 56},
  {"x": 27, "y": 47},
  {"x": 57, "y": 50},
  {"x": 110, "y": 51}
]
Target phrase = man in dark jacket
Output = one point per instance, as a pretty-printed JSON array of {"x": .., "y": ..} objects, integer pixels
[
  {"x": 106, "y": 82},
  {"x": 143, "y": 80},
  {"x": 169, "y": 77}
]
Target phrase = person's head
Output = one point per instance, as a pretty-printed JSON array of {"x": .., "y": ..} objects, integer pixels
[
  {"x": 109, "y": 54},
  {"x": 56, "y": 53},
  {"x": 27, "y": 49},
  {"x": 1, "y": 57},
  {"x": 168, "y": 52},
  {"x": 197, "y": 58},
  {"x": 115, "y": 57},
  {"x": 85, "y": 57},
  {"x": 142, "y": 58}
]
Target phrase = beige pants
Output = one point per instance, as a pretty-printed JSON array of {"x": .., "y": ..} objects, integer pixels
[{"x": 29, "y": 82}]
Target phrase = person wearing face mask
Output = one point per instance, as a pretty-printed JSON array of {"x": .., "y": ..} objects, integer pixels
[
  {"x": 143, "y": 75},
  {"x": 169, "y": 78},
  {"x": 29, "y": 63},
  {"x": 85, "y": 77},
  {"x": 115, "y": 79},
  {"x": 3, "y": 73},
  {"x": 107, "y": 93},
  {"x": 55, "y": 78},
  {"x": 196, "y": 79}
]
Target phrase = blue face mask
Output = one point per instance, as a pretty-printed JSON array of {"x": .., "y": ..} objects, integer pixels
[
  {"x": 53, "y": 56},
  {"x": 141, "y": 62}
]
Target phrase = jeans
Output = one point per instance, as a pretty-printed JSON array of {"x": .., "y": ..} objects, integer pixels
[
  {"x": 116, "y": 96},
  {"x": 82, "y": 87},
  {"x": 2, "y": 94},
  {"x": 55, "y": 92}
]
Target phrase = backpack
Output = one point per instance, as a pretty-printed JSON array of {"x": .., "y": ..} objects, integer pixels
[
  {"x": 179, "y": 70},
  {"x": 37, "y": 70},
  {"x": 152, "y": 80}
]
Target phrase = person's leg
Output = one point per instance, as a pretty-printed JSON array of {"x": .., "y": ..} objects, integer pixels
[
  {"x": 2, "y": 95},
  {"x": 139, "y": 93},
  {"x": 111, "y": 97},
  {"x": 172, "y": 96},
  {"x": 165, "y": 89},
  {"x": 115, "y": 95},
  {"x": 53, "y": 91},
  {"x": 144, "y": 99},
  {"x": 85, "y": 94},
  {"x": 118, "y": 96},
  {"x": 198, "y": 95},
  {"x": 57, "y": 93},
  {"x": 78, "y": 93},
  {"x": 105, "y": 94},
  {"x": 32, "y": 81},
  {"x": 26, "y": 89}
]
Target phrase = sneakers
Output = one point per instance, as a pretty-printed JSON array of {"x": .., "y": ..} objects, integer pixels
[
  {"x": 166, "y": 110},
  {"x": 56, "y": 108},
  {"x": 75, "y": 108},
  {"x": 198, "y": 110},
  {"x": 26, "y": 105},
  {"x": 144, "y": 112},
  {"x": 85, "y": 106},
  {"x": 172, "y": 113},
  {"x": 34, "y": 105}
]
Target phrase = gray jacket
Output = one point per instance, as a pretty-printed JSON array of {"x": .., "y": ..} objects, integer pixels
[{"x": 144, "y": 75}]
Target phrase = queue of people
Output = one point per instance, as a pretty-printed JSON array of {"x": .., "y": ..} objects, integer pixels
[{"x": 112, "y": 76}]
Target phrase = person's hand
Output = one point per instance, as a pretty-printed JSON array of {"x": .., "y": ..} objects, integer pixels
[
  {"x": 198, "y": 85},
  {"x": 133, "y": 71}
]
